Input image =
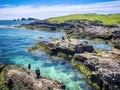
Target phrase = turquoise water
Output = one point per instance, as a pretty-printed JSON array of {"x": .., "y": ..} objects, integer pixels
[
  {"x": 99, "y": 45},
  {"x": 13, "y": 43}
]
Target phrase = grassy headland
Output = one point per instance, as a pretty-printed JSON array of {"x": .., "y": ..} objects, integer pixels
[{"x": 105, "y": 18}]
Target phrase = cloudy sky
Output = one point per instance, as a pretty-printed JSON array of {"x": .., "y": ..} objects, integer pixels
[{"x": 41, "y": 9}]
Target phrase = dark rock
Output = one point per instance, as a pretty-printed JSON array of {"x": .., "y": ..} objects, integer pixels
[
  {"x": 18, "y": 19},
  {"x": 32, "y": 19},
  {"x": 104, "y": 68},
  {"x": 65, "y": 49},
  {"x": 14, "y": 20},
  {"x": 22, "y": 19},
  {"x": 117, "y": 43},
  {"x": 79, "y": 58},
  {"x": 79, "y": 28}
]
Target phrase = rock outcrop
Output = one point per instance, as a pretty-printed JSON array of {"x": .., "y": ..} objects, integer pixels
[
  {"x": 15, "y": 77},
  {"x": 101, "y": 69},
  {"x": 64, "y": 48},
  {"x": 104, "y": 68},
  {"x": 78, "y": 28}
]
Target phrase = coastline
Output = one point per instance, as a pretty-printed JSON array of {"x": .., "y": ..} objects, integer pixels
[
  {"x": 88, "y": 62},
  {"x": 104, "y": 34}
]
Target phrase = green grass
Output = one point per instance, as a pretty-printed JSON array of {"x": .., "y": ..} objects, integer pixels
[
  {"x": 105, "y": 18},
  {"x": 43, "y": 48}
]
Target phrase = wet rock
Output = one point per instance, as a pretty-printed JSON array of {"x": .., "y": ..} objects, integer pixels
[
  {"x": 17, "y": 78},
  {"x": 104, "y": 67},
  {"x": 117, "y": 43},
  {"x": 65, "y": 48},
  {"x": 78, "y": 28}
]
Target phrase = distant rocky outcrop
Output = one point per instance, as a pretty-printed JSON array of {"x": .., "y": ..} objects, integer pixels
[
  {"x": 32, "y": 19},
  {"x": 15, "y": 77},
  {"x": 25, "y": 19},
  {"x": 22, "y": 19}
]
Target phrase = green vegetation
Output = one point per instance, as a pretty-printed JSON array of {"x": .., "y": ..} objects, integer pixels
[
  {"x": 43, "y": 48},
  {"x": 61, "y": 54},
  {"x": 73, "y": 36},
  {"x": 54, "y": 39},
  {"x": 99, "y": 51},
  {"x": 31, "y": 49},
  {"x": 105, "y": 18},
  {"x": 101, "y": 40},
  {"x": 4, "y": 70},
  {"x": 2, "y": 81},
  {"x": 81, "y": 67},
  {"x": 86, "y": 71}
]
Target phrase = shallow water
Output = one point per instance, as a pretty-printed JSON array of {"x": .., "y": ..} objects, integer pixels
[
  {"x": 13, "y": 43},
  {"x": 99, "y": 45}
]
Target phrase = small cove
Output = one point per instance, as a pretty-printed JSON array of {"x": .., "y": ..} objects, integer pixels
[{"x": 13, "y": 43}]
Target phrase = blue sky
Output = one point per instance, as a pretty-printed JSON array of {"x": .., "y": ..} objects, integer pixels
[
  {"x": 50, "y": 2},
  {"x": 42, "y": 9}
]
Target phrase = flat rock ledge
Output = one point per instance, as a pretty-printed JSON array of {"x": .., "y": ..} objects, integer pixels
[
  {"x": 64, "y": 48},
  {"x": 19, "y": 79}
]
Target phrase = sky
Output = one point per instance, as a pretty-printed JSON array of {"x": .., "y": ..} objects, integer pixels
[{"x": 42, "y": 9}]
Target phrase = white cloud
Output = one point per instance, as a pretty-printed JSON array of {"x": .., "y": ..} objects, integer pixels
[{"x": 46, "y": 11}]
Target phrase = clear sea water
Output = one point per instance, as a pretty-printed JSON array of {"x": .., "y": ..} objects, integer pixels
[{"x": 13, "y": 43}]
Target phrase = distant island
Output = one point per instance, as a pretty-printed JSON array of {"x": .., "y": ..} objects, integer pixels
[{"x": 23, "y": 19}]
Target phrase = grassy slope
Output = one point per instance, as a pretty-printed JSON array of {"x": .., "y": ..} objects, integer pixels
[{"x": 105, "y": 18}]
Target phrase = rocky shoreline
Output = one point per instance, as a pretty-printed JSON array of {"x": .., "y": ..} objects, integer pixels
[
  {"x": 15, "y": 77},
  {"x": 102, "y": 69},
  {"x": 80, "y": 29}
]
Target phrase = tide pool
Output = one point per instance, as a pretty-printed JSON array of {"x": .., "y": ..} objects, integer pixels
[{"x": 98, "y": 44}]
